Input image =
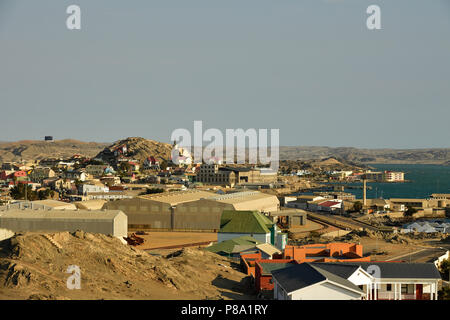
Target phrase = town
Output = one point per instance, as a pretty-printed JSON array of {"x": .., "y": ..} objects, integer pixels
[{"x": 249, "y": 232}]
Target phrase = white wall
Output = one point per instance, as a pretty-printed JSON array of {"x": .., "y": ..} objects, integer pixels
[
  {"x": 325, "y": 291},
  {"x": 5, "y": 234}
]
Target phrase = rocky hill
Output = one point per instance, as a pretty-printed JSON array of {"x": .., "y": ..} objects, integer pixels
[
  {"x": 36, "y": 150},
  {"x": 138, "y": 148},
  {"x": 367, "y": 156},
  {"x": 31, "y": 267}
]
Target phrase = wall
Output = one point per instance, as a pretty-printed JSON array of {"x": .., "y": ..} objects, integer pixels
[
  {"x": 103, "y": 226},
  {"x": 325, "y": 291},
  {"x": 331, "y": 250},
  {"x": 201, "y": 214},
  {"x": 264, "y": 238},
  {"x": 143, "y": 213},
  {"x": 5, "y": 234}
]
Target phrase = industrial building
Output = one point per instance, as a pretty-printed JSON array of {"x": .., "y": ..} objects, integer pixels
[
  {"x": 191, "y": 210},
  {"x": 109, "y": 222},
  {"x": 157, "y": 211},
  {"x": 231, "y": 176}
]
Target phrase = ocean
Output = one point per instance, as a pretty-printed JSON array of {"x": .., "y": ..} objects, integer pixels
[{"x": 424, "y": 179}]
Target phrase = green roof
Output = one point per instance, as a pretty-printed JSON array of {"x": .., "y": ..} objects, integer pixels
[
  {"x": 234, "y": 245},
  {"x": 244, "y": 222},
  {"x": 268, "y": 267}
]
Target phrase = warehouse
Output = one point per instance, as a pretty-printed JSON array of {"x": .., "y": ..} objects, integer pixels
[
  {"x": 157, "y": 211},
  {"x": 191, "y": 210},
  {"x": 109, "y": 222},
  {"x": 206, "y": 212}
]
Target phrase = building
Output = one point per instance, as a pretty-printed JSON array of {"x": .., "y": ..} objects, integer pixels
[
  {"x": 40, "y": 174},
  {"x": 91, "y": 187},
  {"x": 234, "y": 247},
  {"x": 231, "y": 176},
  {"x": 302, "y": 201},
  {"x": 39, "y": 205},
  {"x": 392, "y": 176},
  {"x": 327, "y": 206},
  {"x": 386, "y": 176},
  {"x": 330, "y": 252},
  {"x": 210, "y": 174},
  {"x": 110, "y": 222},
  {"x": 159, "y": 211},
  {"x": 235, "y": 224},
  {"x": 76, "y": 175},
  {"x": 55, "y": 204},
  {"x": 426, "y": 227},
  {"x": 374, "y": 280},
  {"x": 96, "y": 170},
  {"x": 263, "y": 272},
  {"x": 307, "y": 281},
  {"x": 400, "y": 281},
  {"x": 190, "y": 210},
  {"x": 289, "y": 218}
]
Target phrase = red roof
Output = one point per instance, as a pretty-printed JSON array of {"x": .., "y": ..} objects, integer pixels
[{"x": 329, "y": 203}]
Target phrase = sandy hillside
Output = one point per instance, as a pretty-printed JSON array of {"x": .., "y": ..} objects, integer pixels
[{"x": 31, "y": 267}]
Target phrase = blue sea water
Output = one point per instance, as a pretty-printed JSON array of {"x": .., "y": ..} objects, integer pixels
[{"x": 424, "y": 179}]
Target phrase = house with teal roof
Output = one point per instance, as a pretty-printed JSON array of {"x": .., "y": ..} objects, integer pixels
[{"x": 235, "y": 224}]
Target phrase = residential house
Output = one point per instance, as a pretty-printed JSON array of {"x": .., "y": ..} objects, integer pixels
[
  {"x": 41, "y": 173},
  {"x": 307, "y": 281},
  {"x": 235, "y": 224},
  {"x": 375, "y": 281}
]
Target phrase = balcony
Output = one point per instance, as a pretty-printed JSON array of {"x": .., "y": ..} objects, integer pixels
[{"x": 404, "y": 296}]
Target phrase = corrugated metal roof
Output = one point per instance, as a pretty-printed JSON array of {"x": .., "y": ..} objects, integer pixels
[
  {"x": 233, "y": 245},
  {"x": 244, "y": 222}
]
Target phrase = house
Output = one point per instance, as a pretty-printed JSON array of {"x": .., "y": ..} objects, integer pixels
[
  {"x": 234, "y": 247},
  {"x": 328, "y": 205},
  {"x": 18, "y": 176},
  {"x": 57, "y": 184},
  {"x": 92, "y": 187},
  {"x": 332, "y": 252},
  {"x": 151, "y": 163},
  {"x": 401, "y": 281},
  {"x": 134, "y": 166},
  {"x": 235, "y": 224},
  {"x": 39, "y": 174},
  {"x": 307, "y": 281},
  {"x": 375, "y": 280},
  {"x": 96, "y": 170},
  {"x": 302, "y": 201},
  {"x": 76, "y": 175},
  {"x": 263, "y": 272}
]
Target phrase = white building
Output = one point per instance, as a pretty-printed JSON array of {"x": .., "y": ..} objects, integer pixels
[{"x": 340, "y": 281}]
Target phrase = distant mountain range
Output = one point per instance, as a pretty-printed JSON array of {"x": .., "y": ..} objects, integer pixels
[
  {"x": 141, "y": 148},
  {"x": 37, "y": 150},
  {"x": 367, "y": 156}
]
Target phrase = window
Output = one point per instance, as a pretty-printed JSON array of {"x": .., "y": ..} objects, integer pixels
[
  {"x": 389, "y": 287},
  {"x": 404, "y": 288}
]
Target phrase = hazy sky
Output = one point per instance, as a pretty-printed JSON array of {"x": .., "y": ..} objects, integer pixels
[{"x": 308, "y": 67}]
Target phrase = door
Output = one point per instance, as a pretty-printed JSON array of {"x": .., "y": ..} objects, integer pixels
[{"x": 419, "y": 291}]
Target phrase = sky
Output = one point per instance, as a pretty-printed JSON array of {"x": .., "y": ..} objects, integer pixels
[{"x": 310, "y": 68}]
